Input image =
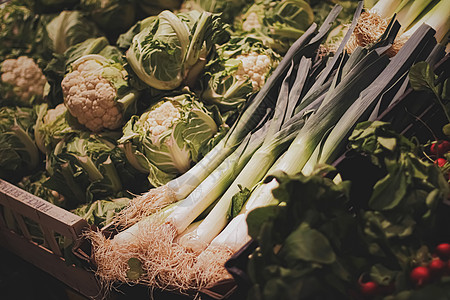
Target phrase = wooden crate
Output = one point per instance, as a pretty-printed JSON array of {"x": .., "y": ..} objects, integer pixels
[{"x": 54, "y": 222}]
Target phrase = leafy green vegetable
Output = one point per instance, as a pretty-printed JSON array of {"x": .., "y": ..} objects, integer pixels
[
  {"x": 101, "y": 212},
  {"x": 112, "y": 16},
  {"x": 277, "y": 23},
  {"x": 173, "y": 49},
  {"x": 409, "y": 181},
  {"x": 24, "y": 37},
  {"x": 299, "y": 239},
  {"x": 319, "y": 241},
  {"x": 166, "y": 139},
  {"x": 34, "y": 184},
  {"x": 52, "y": 125},
  {"x": 84, "y": 167},
  {"x": 69, "y": 28},
  {"x": 422, "y": 78},
  {"x": 18, "y": 152}
]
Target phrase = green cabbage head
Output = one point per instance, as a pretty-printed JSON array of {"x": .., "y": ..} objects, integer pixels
[
  {"x": 172, "y": 49},
  {"x": 277, "y": 23}
]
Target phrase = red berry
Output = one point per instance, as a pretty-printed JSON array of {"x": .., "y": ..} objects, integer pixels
[
  {"x": 420, "y": 275},
  {"x": 443, "y": 251},
  {"x": 437, "y": 267},
  {"x": 368, "y": 288},
  {"x": 440, "y": 162},
  {"x": 440, "y": 148}
]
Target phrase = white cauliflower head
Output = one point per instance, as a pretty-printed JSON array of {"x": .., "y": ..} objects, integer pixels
[
  {"x": 91, "y": 97},
  {"x": 256, "y": 67},
  {"x": 25, "y": 76},
  {"x": 160, "y": 119}
]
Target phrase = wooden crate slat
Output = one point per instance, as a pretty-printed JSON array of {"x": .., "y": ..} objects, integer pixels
[
  {"x": 41, "y": 211},
  {"x": 49, "y": 237},
  {"x": 23, "y": 227},
  {"x": 77, "y": 278}
]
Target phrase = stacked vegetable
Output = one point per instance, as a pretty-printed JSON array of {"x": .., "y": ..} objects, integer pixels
[
  {"x": 177, "y": 123},
  {"x": 316, "y": 103}
]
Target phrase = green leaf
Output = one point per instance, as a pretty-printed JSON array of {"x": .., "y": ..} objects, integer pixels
[
  {"x": 237, "y": 201},
  {"x": 135, "y": 269},
  {"x": 259, "y": 216},
  {"x": 382, "y": 275},
  {"x": 307, "y": 244},
  {"x": 389, "y": 191},
  {"x": 422, "y": 77},
  {"x": 446, "y": 90},
  {"x": 388, "y": 143}
]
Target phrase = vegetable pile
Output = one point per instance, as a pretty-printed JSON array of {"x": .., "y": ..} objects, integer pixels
[{"x": 192, "y": 127}]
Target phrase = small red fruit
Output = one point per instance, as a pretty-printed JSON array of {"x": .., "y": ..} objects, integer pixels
[
  {"x": 368, "y": 288},
  {"x": 440, "y": 162},
  {"x": 440, "y": 148},
  {"x": 437, "y": 267},
  {"x": 443, "y": 251},
  {"x": 420, "y": 275}
]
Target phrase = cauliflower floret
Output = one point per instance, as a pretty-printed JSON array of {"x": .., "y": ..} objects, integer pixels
[
  {"x": 251, "y": 22},
  {"x": 90, "y": 97},
  {"x": 255, "y": 66},
  {"x": 161, "y": 119},
  {"x": 26, "y": 77},
  {"x": 54, "y": 113}
]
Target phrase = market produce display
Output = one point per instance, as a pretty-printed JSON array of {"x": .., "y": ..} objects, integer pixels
[{"x": 195, "y": 129}]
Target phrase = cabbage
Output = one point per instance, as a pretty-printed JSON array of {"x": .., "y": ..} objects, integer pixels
[
  {"x": 85, "y": 167},
  {"x": 24, "y": 37},
  {"x": 173, "y": 49},
  {"x": 169, "y": 137},
  {"x": 277, "y": 23},
  {"x": 69, "y": 28}
]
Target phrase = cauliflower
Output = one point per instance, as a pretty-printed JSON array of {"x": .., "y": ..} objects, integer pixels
[
  {"x": 239, "y": 69},
  {"x": 25, "y": 77},
  {"x": 91, "y": 92},
  {"x": 251, "y": 22},
  {"x": 160, "y": 119},
  {"x": 256, "y": 67},
  {"x": 53, "y": 114},
  {"x": 166, "y": 139}
]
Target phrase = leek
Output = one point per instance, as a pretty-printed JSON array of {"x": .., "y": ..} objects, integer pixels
[
  {"x": 399, "y": 65},
  {"x": 437, "y": 18},
  {"x": 253, "y": 172}
]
